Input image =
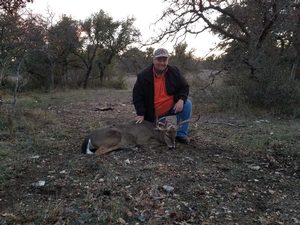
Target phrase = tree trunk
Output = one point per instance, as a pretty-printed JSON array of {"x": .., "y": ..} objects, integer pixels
[
  {"x": 86, "y": 77},
  {"x": 294, "y": 68},
  {"x": 101, "y": 74}
]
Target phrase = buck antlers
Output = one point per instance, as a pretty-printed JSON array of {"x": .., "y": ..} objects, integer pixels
[{"x": 129, "y": 135}]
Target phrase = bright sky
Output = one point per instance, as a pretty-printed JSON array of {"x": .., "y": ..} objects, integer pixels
[{"x": 145, "y": 12}]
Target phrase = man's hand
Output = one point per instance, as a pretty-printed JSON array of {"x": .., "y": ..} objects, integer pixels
[
  {"x": 178, "y": 106},
  {"x": 139, "y": 119}
]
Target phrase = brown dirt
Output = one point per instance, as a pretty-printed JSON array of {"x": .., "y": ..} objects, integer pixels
[{"x": 214, "y": 182}]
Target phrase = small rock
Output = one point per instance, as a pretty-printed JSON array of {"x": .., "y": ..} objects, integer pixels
[
  {"x": 40, "y": 183},
  {"x": 121, "y": 221},
  {"x": 168, "y": 188},
  {"x": 141, "y": 218},
  {"x": 255, "y": 167},
  {"x": 271, "y": 192}
]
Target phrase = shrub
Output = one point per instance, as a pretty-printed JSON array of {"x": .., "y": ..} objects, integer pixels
[{"x": 279, "y": 96}]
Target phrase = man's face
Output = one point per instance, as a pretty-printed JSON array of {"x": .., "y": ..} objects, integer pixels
[{"x": 160, "y": 63}]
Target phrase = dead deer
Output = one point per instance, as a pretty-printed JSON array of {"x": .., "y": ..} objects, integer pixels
[{"x": 130, "y": 135}]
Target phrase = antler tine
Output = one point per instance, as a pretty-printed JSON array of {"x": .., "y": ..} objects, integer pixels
[
  {"x": 159, "y": 125},
  {"x": 186, "y": 121}
]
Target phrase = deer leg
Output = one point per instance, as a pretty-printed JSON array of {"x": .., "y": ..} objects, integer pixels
[{"x": 104, "y": 150}]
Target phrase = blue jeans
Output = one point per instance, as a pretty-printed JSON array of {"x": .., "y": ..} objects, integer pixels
[{"x": 185, "y": 114}]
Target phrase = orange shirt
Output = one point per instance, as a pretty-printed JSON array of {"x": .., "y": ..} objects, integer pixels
[{"x": 162, "y": 101}]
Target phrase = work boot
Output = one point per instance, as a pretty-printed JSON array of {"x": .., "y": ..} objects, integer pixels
[{"x": 183, "y": 140}]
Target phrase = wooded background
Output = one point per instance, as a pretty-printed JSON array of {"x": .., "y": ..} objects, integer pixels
[{"x": 260, "y": 41}]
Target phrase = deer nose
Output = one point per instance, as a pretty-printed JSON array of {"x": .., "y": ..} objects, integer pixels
[{"x": 172, "y": 147}]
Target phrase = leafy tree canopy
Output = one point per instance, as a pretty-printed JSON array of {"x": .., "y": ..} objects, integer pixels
[{"x": 12, "y": 6}]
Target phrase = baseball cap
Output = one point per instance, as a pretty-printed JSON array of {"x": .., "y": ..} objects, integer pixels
[{"x": 161, "y": 52}]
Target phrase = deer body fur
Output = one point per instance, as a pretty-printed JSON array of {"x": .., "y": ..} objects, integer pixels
[{"x": 122, "y": 136}]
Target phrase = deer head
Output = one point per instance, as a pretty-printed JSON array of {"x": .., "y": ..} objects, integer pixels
[{"x": 170, "y": 131}]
